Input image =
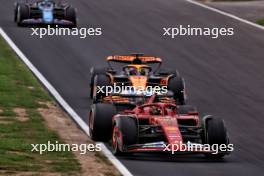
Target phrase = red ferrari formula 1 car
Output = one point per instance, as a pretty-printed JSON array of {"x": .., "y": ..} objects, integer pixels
[{"x": 159, "y": 127}]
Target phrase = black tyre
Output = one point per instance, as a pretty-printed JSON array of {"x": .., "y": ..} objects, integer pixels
[
  {"x": 95, "y": 71},
  {"x": 100, "y": 121},
  {"x": 125, "y": 133},
  {"x": 215, "y": 133},
  {"x": 70, "y": 15},
  {"x": 22, "y": 13},
  {"x": 15, "y": 12},
  {"x": 103, "y": 82},
  {"x": 177, "y": 86},
  {"x": 185, "y": 109}
]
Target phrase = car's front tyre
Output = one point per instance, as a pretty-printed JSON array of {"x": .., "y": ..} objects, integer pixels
[
  {"x": 215, "y": 133},
  {"x": 70, "y": 15},
  {"x": 100, "y": 121},
  {"x": 124, "y": 133},
  {"x": 22, "y": 13}
]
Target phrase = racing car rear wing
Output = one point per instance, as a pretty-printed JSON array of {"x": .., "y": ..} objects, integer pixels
[{"x": 134, "y": 59}]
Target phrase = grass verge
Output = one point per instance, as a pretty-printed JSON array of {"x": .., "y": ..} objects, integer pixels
[
  {"x": 21, "y": 124},
  {"x": 260, "y": 21}
]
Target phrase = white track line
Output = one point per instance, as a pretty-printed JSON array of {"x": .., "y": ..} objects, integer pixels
[
  {"x": 122, "y": 169},
  {"x": 226, "y": 14}
]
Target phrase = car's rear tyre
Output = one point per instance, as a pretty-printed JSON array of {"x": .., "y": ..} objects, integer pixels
[
  {"x": 15, "y": 12},
  {"x": 100, "y": 121},
  {"x": 102, "y": 87},
  {"x": 215, "y": 133},
  {"x": 70, "y": 15},
  {"x": 125, "y": 133},
  {"x": 177, "y": 86},
  {"x": 93, "y": 72},
  {"x": 22, "y": 13}
]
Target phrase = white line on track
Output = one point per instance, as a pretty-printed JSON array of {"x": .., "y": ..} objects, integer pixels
[
  {"x": 122, "y": 169},
  {"x": 226, "y": 14}
]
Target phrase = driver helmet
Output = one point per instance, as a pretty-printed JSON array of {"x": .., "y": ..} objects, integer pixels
[
  {"x": 142, "y": 71},
  {"x": 156, "y": 111},
  {"x": 133, "y": 71},
  {"x": 45, "y": 3}
]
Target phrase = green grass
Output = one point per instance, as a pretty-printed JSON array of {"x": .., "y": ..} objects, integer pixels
[
  {"x": 261, "y": 22},
  {"x": 19, "y": 88},
  {"x": 17, "y": 85}
]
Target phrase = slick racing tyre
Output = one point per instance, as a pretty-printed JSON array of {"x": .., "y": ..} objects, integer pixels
[
  {"x": 177, "y": 86},
  {"x": 124, "y": 133},
  {"x": 100, "y": 121},
  {"x": 15, "y": 11},
  {"x": 70, "y": 15},
  {"x": 93, "y": 72},
  {"x": 215, "y": 133},
  {"x": 22, "y": 13},
  {"x": 102, "y": 85}
]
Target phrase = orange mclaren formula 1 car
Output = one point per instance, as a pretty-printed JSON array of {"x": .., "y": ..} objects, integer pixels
[
  {"x": 135, "y": 74},
  {"x": 159, "y": 127}
]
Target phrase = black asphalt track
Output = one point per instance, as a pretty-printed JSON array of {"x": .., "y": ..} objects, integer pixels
[{"x": 224, "y": 76}]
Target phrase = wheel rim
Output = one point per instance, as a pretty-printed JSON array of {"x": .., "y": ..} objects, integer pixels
[
  {"x": 184, "y": 92},
  {"x": 18, "y": 15},
  {"x": 94, "y": 90},
  {"x": 91, "y": 123},
  {"x": 116, "y": 139}
]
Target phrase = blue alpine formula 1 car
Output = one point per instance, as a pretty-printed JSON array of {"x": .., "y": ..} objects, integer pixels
[{"x": 47, "y": 12}]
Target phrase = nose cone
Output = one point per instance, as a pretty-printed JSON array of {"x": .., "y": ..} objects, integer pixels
[
  {"x": 48, "y": 16},
  {"x": 138, "y": 82}
]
